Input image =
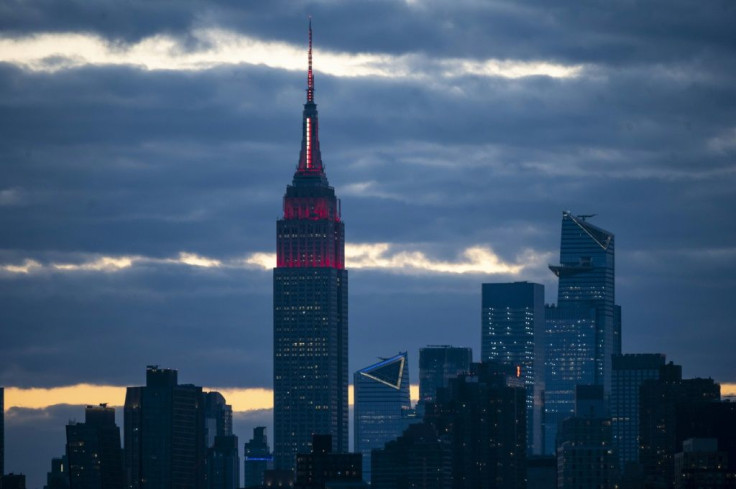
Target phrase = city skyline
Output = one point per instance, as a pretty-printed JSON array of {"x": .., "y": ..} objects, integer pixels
[{"x": 141, "y": 178}]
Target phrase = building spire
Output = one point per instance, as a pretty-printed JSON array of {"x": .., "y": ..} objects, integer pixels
[{"x": 310, "y": 75}]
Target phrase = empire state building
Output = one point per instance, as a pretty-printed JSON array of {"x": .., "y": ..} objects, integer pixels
[{"x": 310, "y": 305}]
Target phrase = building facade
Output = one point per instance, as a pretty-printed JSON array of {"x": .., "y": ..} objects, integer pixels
[
  {"x": 93, "y": 451},
  {"x": 437, "y": 365},
  {"x": 583, "y": 330},
  {"x": 310, "y": 305},
  {"x": 257, "y": 458},
  {"x": 629, "y": 372},
  {"x": 512, "y": 332},
  {"x": 164, "y": 433},
  {"x": 382, "y": 406}
]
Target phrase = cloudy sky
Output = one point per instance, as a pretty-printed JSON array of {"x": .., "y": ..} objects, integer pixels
[{"x": 145, "y": 147}]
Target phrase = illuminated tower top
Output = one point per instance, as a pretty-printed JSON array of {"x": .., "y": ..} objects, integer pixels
[{"x": 310, "y": 158}]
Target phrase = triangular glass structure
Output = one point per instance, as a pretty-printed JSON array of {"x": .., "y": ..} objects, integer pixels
[{"x": 387, "y": 371}]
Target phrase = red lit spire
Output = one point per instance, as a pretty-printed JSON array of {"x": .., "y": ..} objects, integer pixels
[
  {"x": 310, "y": 159},
  {"x": 310, "y": 76}
]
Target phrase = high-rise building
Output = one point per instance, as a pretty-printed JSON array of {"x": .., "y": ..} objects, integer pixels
[
  {"x": 437, "y": 365},
  {"x": 258, "y": 458},
  {"x": 95, "y": 458},
  {"x": 322, "y": 466},
  {"x": 58, "y": 477},
  {"x": 164, "y": 433},
  {"x": 223, "y": 463},
  {"x": 701, "y": 465},
  {"x": 629, "y": 372},
  {"x": 585, "y": 457},
  {"x": 512, "y": 332},
  {"x": 482, "y": 414},
  {"x": 310, "y": 305},
  {"x": 381, "y": 406},
  {"x": 662, "y": 406},
  {"x": 583, "y": 330},
  {"x": 417, "y": 458}
]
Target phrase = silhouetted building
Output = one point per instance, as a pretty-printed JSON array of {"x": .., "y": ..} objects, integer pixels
[
  {"x": 258, "y": 458},
  {"x": 660, "y": 425},
  {"x": 13, "y": 481},
  {"x": 381, "y": 405},
  {"x": 512, "y": 332},
  {"x": 420, "y": 457},
  {"x": 310, "y": 305},
  {"x": 585, "y": 456},
  {"x": 629, "y": 372},
  {"x": 314, "y": 470},
  {"x": 164, "y": 433},
  {"x": 483, "y": 414},
  {"x": 58, "y": 477},
  {"x": 584, "y": 330},
  {"x": 701, "y": 466},
  {"x": 95, "y": 459},
  {"x": 275, "y": 478},
  {"x": 541, "y": 472},
  {"x": 223, "y": 463},
  {"x": 437, "y": 365}
]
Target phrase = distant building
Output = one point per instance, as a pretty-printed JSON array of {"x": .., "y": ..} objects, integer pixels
[
  {"x": 93, "y": 452},
  {"x": 317, "y": 469},
  {"x": 381, "y": 407},
  {"x": 585, "y": 456},
  {"x": 663, "y": 403},
  {"x": 512, "y": 332},
  {"x": 700, "y": 465},
  {"x": 58, "y": 477},
  {"x": 437, "y": 365},
  {"x": 419, "y": 458},
  {"x": 13, "y": 481},
  {"x": 483, "y": 414},
  {"x": 223, "y": 463},
  {"x": 583, "y": 330},
  {"x": 257, "y": 458},
  {"x": 310, "y": 305},
  {"x": 629, "y": 372},
  {"x": 164, "y": 433}
]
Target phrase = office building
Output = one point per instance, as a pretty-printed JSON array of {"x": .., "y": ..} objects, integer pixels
[
  {"x": 322, "y": 466},
  {"x": 585, "y": 456},
  {"x": 165, "y": 433},
  {"x": 58, "y": 477},
  {"x": 223, "y": 463},
  {"x": 483, "y": 415},
  {"x": 700, "y": 465},
  {"x": 13, "y": 481},
  {"x": 381, "y": 406},
  {"x": 310, "y": 305},
  {"x": 583, "y": 330},
  {"x": 93, "y": 451},
  {"x": 257, "y": 458},
  {"x": 437, "y": 365},
  {"x": 629, "y": 372},
  {"x": 420, "y": 457},
  {"x": 662, "y": 428},
  {"x": 512, "y": 332}
]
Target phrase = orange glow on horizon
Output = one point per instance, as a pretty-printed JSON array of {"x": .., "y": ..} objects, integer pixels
[{"x": 241, "y": 399}]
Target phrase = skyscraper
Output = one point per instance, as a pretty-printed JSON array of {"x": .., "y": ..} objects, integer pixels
[
  {"x": 381, "y": 405},
  {"x": 257, "y": 457},
  {"x": 95, "y": 458},
  {"x": 583, "y": 330},
  {"x": 629, "y": 372},
  {"x": 310, "y": 305},
  {"x": 512, "y": 329},
  {"x": 437, "y": 365},
  {"x": 164, "y": 433}
]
